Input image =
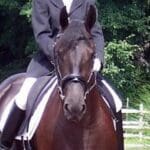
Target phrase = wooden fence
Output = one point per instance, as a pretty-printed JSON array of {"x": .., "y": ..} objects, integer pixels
[{"x": 135, "y": 127}]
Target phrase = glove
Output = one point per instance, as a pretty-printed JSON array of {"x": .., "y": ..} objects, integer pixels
[{"x": 97, "y": 65}]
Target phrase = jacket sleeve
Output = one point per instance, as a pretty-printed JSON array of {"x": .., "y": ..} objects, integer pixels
[
  {"x": 99, "y": 41},
  {"x": 41, "y": 27},
  {"x": 98, "y": 36}
]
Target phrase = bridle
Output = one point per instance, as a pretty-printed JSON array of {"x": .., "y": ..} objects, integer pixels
[
  {"x": 87, "y": 85},
  {"x": 72, "y": 78}
]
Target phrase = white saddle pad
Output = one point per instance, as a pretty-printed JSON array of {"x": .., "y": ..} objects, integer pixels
[
  {"x": 117, "y": 100},
  {"x": 36, "y": 117}
]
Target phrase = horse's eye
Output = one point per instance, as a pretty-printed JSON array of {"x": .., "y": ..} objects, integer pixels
[
  {"x": 60, "y": 51},
  {"x": 59, "y": 36},
  {"x": 90, "y": 38},
  {"x": 81, "y": 38},
  {"x": 93, "y": 55}
]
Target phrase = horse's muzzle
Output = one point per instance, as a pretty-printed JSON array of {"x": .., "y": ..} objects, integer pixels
[{"x": 74, "y": 112}]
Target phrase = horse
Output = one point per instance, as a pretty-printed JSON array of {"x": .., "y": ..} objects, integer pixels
[{"x": 76, "y": 116}]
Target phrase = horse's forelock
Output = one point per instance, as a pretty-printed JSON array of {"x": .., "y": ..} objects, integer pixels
[{"x": 76, "y": 30}]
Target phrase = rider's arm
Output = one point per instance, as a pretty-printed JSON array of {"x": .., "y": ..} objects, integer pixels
[
  {"x": 99, "y": 42},
  {"x": 41, "y": 27},
  {"x": 98, "y": 37}
]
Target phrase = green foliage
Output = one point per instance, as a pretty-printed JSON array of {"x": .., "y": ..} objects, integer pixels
[
  {"x": 120, "y": 20},
  {"x": 16, "y": 66},
  {"x": 15, "y": 31},
  {"x": 129, "y": 78},
  {"x": 126, "y": 29},
  {"x": 9, "y": 4},
  {"x": 119, "y": 66},
  {"x": 31, "y": 47},
  {"x": 27, "y": 9},
  {"x": 143, "y": 95}
]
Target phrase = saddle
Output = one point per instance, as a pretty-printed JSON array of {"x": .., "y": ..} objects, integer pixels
[
  {"x": 37, "y": 102},
  {"x": 35, "y": 105}
]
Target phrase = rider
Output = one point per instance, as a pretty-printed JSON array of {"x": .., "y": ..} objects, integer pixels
[{"x": 45, "y": 23}]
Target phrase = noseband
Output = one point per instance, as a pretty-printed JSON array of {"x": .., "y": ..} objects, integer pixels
[{"x": 72, "y": 78}]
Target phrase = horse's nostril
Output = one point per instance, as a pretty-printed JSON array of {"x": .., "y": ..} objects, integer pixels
[
  {"x": 66, "y": 107},
  {"x": 83, "y": 108}
]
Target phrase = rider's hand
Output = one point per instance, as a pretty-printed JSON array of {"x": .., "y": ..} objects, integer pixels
[{"x": 97, "y": 65}]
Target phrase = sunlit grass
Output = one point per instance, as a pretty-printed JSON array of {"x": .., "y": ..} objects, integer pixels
[{"x": 137, "y": 144}]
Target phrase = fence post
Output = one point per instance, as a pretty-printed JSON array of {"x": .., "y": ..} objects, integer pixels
[
  {"x": 127, "y": 106},
  {"x": 138, "y": 124},
  {"x": 141, "y": 121}
]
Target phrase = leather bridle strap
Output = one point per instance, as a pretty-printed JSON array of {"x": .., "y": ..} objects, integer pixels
[{"x": 73, "y": 78}]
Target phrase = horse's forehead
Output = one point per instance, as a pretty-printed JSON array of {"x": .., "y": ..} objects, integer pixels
[
  {"x": 75, "y": 37},
  {"x": 76, "y": 24},
  {"x": 71, "y": 41},
  {"x": 75, "y": 29},
  {"x": 83, "y": 47},
  {"x": 79, "y": 48}
]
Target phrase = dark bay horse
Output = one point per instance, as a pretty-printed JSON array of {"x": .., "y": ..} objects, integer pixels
[
  {"x": 76, "y": 116},
  {"x": 79, "y": 119}
]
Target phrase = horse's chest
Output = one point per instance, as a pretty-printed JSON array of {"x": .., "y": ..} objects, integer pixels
[
  {"x": 91, "y": 139},
  {"x": 78, "y": 140}
]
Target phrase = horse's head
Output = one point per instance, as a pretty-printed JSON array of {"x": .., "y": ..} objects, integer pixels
[{"x": 74, "y": 55}]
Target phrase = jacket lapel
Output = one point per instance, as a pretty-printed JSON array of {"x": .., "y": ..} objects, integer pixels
[
  {"x": 57, "y": 3},
  {"x": 75, "y": 5}
]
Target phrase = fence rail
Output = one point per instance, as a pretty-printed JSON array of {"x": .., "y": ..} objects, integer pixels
[{"x": 137, "y": 126}]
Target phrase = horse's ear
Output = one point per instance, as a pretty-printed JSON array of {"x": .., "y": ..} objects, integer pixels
[
  {"x": 63, "y": 18},
  {"x": 90, "y": 18}
]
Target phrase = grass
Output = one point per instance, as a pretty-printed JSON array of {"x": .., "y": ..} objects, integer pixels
[{"x": 137, "y": 144}]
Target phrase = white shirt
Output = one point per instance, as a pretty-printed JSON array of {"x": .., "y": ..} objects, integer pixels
[{"x": 67, "y": 3}]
